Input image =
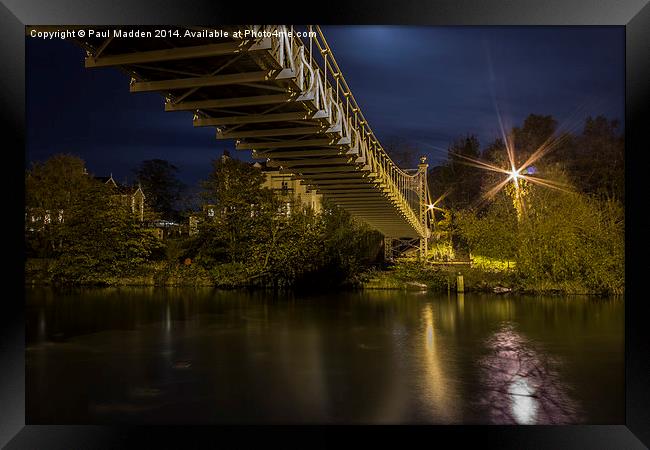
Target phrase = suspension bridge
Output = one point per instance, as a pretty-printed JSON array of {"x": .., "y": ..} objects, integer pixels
[{"x": 279, "y": 93}]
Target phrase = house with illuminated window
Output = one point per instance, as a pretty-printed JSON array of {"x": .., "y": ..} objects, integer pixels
[
  {"x": 37, "y": 218},
  {"x": 132, "y": 197}
]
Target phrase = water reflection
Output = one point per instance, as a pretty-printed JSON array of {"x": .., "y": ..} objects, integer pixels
[
  {"x": 205, "y": 356},
  {"x": 439, "y": 388},
  {"x": 523, "y": 385}
]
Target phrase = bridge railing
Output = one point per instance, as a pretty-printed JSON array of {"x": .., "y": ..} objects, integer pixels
[{"x": 319, "y": 77}]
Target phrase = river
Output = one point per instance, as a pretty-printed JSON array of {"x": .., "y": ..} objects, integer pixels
[{"x": 204, "y": 356}]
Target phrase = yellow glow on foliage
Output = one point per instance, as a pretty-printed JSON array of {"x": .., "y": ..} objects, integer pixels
[{"x": 491, "y": 264}]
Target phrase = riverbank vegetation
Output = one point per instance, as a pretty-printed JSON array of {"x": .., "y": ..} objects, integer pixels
[
  {"x": 79, "y": 230},
  {"x": 563, "y": 233},
  {"x": 568, "y": 237}
]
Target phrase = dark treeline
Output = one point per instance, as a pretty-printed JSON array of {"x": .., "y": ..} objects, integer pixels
[
  {"x": 593, "y": 160},
  {"x": 83, "y": 226},
  {"x": 88, "y": 232}
]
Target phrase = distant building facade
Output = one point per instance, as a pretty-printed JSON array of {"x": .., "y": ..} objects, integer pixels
[
  {"x": 37, "y": 218},
  {"x": 131, "y": 196},
  {"x": 290, "y": 190}
]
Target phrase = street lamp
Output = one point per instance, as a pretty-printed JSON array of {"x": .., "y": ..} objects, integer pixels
[{"x": 514, "y": 174}]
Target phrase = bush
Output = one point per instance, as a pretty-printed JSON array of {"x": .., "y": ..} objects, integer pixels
[{"x": 563, "y": 238}]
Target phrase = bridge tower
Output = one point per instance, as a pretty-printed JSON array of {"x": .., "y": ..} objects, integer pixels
[{"x": 424, "y": 207}]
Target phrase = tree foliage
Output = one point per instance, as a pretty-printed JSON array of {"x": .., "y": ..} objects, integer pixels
[
  {"x": 459, "y": 180},
  {"x": 239, "y": 210},
  {"x": 250, "y": 235},
  {"x": 402, "y": 152},
  {"x": 568, "y": 236},
  {"x": 159, "y": 180},
  {"x": 573, "y": 235},
  {"x": 562, "y": 238},
  {"x": 596, "y": 163},
  {"x": 494, "y": 234},
  {"x": 90, "y": 232},
  {"x": 102, "y": 238},
  {"x": 51, "y": 188},
  {"x": 536, "y": 132}
]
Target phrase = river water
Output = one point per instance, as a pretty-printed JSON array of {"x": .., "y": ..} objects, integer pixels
[{"x": 204, "y": 356}]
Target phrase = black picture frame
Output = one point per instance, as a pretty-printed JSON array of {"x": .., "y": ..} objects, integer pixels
[{"x": 634, "y": 15}]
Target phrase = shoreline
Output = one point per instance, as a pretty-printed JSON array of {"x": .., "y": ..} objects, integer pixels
[{"x": 402, "y": 277}]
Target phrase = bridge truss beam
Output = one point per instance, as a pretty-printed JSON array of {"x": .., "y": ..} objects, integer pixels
[{"x": 286, "y": 100}]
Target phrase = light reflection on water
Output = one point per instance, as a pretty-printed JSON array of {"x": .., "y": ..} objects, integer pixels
[
  {"x": 204, "y": 356},
  {"x": 523, "y": 384},
  {"x": 439, "y": 389}
]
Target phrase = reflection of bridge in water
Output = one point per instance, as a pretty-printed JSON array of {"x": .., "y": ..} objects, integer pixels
[{"x": 284, "y": 98}]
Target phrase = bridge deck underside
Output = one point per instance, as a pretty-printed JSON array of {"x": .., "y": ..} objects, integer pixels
[{"x": 240, "y": 88}]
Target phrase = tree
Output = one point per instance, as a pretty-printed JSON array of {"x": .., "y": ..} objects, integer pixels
[
  {"x": 403, "y": 153},
  {"x": 102, "y": 238},
  {"x": 161, "y": 185},
  {"x": 563, "y": 238},
  {"x": 242, "y": 208},
  {"x": 295, "y": 247},
  {"x": 494, "y": 234},
  {"x": 349, "y": 244},
  {"x": 456, "y": 177},
  {"x": 250, "y": 235},
  {"x": 78, "y": 220},
  {"x": 51, "y": 188},
  {"x": 597, "y": 162},
  {"x": 496, "y": 154},
  {"x": 570, "y": 237},
  {"x": 536, "y": 132},
  {"x": 240, "y": 218}
]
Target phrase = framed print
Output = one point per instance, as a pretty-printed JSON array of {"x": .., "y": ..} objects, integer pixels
[{"x": 424, "y": 220}]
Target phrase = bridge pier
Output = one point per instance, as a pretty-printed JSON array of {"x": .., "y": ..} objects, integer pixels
[
  {"x": 423, "y": 250},
  {"x": 388, "y": 248}
]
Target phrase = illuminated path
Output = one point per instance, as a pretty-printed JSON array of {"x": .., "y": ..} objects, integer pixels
[{"x": 284, "y": 98}]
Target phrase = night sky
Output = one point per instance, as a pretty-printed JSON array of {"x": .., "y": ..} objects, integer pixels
[{"x": 427, "y": 86}]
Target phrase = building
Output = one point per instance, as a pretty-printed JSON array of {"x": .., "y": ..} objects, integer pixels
[
  {"x": 289, "y": 189},
  {"x": 37, "y": 218},
  {"x": 166, "y": 229},
  {"x": 132, "y": 196}
]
